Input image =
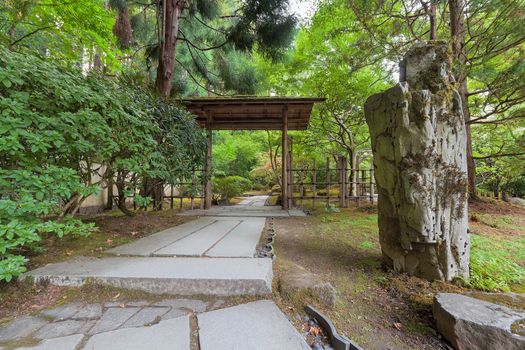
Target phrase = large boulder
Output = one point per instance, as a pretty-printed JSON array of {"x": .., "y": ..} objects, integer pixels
[
  {"x": 470, "y": 324},
  {"x": 517, "y": 201},
  {"x": 419, "y": 145}
]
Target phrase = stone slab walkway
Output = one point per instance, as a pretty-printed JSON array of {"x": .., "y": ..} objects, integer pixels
[
  {"x": 158, "y": 275},
  {"x": 249, "y": 207},
  {"x": 259, "y": 325},
  {"x": 159, "y": 325},
  {"x": 208, "y": 236}
]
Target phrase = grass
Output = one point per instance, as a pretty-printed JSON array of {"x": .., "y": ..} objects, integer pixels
[
  {"x": 497, "y": 263},
  {"x": 343, "y": 247}
]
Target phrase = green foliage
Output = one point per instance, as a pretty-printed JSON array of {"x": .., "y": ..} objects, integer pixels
[
  {"x": 67, "y": 30},
  {"x": 236, "y": 153},
  {"x": 230, "y": 186},
  {"x": 495, "y": 263},
  {"x": 63, "y": 135}
]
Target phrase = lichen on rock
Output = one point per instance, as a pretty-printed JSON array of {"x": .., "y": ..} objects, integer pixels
[{"x": 419, "y": 145}]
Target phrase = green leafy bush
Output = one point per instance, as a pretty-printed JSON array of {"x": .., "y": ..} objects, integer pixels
[
  {"x": 230, "y": 186},
  {"x": 64, "y": 136}
]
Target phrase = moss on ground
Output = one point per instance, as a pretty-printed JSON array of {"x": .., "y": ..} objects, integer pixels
[{"x": 378, "y": 308}]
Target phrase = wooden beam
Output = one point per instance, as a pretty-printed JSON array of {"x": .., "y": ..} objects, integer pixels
[{"x": 207, "y": 165}]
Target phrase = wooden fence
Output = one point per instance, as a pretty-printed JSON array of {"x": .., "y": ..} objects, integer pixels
[{"x": 335, "y": 182}]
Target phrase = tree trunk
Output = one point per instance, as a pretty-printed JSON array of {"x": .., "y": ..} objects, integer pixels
[
  {"x": 169, "y": 27},
  {"x": 457, "y": 33}
]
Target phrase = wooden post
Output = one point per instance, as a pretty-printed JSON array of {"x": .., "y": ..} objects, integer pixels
[
  {"x": 344, "y": 178},
  {"x": 314, "y": 180},
  {"x": 284, "y": 175},
  {"x": 372, "y": 183},
  {"x": 340, "y": 179},
  {"x": 290, "y": 177},
  {"x": 328, "y": 180},
  {"x": 207, "y": 168},
  {"x": 301, "y": 184},
  {"x": 171, "y": 197},
  {"x": 192, "y": 195}
]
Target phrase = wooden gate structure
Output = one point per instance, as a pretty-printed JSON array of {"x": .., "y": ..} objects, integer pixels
[
  {"x": 252, "y": 113},
  {"x": 334, "y": 182}
]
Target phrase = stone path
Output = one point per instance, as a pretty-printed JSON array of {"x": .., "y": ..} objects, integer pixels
[
  {"x": 250, "y": 207},
  {"x": 156, "y": 326},
  {"x": 174, "y": 261},
  {"x": 212, "y": 255},
  {"x": 209, "y": 236},
  {"x": 177, "y": 276}
]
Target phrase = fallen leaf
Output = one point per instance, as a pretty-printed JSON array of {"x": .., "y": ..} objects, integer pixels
[
  {"x": 116, "y": 296},
  {"x": 315, "y": 330},
  {"x": 397, "y": 326},
  {"x": 69, "y": 252}
]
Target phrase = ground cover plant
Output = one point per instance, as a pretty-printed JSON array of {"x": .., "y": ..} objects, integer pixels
[{"x": 378, "y": 308}]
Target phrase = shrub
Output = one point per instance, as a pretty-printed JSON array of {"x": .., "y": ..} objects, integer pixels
[
  {"x": 59, "y": 130},
  {"x": 230, "y": 186}
]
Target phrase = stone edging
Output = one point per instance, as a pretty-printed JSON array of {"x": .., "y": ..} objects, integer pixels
[
  {"x": 338, "y": 342},
  {"x": 267, "y": 250}
]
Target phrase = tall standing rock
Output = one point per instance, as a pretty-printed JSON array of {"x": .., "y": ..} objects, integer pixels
[{"x": 419, "y": 145}]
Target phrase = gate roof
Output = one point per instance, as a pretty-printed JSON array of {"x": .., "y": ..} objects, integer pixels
[{"x": 252, "y": 112}]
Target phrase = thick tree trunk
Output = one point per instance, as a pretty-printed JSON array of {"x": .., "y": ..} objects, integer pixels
[
  {"x": 457, "y": 33},
  {"x": 169, "y": 28}
]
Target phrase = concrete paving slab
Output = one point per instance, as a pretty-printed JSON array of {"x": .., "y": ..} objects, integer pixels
[
  {"x": 62, "y": 312},
  {"x": 146, "y": 316},
  {"x": 243, "y": 211},
  {"x": 112, "y": 319},
  {"x": 63, "y": 343},
  {"x": 21, "y": 327},
  {"x": 241, "y": 241},
  {"x": 259, "y": 325},
  {"x": 60, "y": 329},
  {"x": 190, "y": 304},
  {"x": 196, "y": 244},
  {"x": 149, "y": 244},
  {"x": 88, "y": 312},
  {"x": 171, "y": 334},
  {"x": 178, "y": 276},
  {"x": 254, "y": 201}
]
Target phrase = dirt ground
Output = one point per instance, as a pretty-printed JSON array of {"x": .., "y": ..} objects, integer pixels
[
  {"x": 114, "y": 228},
  {"x": 376, "y": 308}
]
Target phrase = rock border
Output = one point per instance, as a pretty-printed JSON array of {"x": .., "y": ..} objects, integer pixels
[
  {"x": 268, "y": 251},
  {"x": 338, "y": 342}
]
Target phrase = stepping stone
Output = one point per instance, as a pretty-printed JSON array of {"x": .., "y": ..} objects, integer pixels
[
  {"x": 174, "y": 313},
  {"x": 259, "y": 325},
  {"x": 179, "y": 276},
  {"x": 191, "y": 304},
  {"x": 199, "y": 242},
  {"x": 149, "y": 244},
  {"x": 241, "y": 241},
  {"x": 60, "y": 329},
  {"x": 146, "y": 316},
  {"x": 62, "y": 312},
  {"x": 89, "y": 312},
  {"x": 63, "y": 343},
  {"x": 171, "y": 334},
  {"x": 21, "y": 327},
  {"x": 113, "y": 318}
]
